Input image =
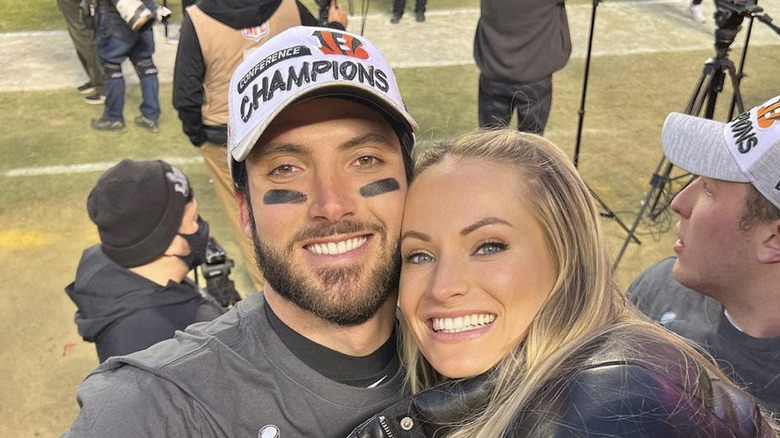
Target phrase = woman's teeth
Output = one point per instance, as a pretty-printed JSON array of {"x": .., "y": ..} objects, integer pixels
[{"x": 462, "y": 323}]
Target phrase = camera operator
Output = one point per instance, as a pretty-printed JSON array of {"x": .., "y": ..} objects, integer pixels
[{"x": 131, "y": 289}]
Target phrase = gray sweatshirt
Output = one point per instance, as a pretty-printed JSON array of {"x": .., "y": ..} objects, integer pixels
[{"x": 230, "y": 377}]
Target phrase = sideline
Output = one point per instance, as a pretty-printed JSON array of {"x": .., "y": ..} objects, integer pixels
[{"x": 46, "y": 60}]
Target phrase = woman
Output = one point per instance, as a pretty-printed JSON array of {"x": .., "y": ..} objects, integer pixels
[{"x": 514, "y": 325}]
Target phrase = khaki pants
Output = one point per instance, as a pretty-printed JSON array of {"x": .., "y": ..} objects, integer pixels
[{"x": 216, "y": 160}]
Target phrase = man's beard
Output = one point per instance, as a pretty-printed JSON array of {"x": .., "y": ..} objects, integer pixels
[{"x": 339, "y": 299}]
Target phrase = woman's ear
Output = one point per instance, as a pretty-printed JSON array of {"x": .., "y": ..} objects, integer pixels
[{"x": 769, "y": 251}]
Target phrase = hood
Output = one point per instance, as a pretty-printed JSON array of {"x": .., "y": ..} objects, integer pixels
[
  {"x": 105, "y": 292},
  {"x": 240, "y": 14}
]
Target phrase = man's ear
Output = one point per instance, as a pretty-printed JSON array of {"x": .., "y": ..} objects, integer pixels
[
  {"x": 243, "y": 212},
  {"x": 769, "y": 251}
]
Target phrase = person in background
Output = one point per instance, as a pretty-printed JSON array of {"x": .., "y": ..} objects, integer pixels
[
  {"x": 131, "y": 289},
  {"x": 697, "y": 11},
  {"x": 513, "y": 325},
  {"x": 125, "y": 31},
  {"x": 83, "y": 37},
  {"x": 722, "y": 290},
  {"x": 400, "y": 5},
  {"x": 215, "y": 37},
  {"x": 517, "y": 47}
]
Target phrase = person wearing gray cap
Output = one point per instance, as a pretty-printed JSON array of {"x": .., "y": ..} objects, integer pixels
[
  {"x": 131, "y": 289},
  {"x": 722, "y": 290},
  {"x": 319, "y": 144}
]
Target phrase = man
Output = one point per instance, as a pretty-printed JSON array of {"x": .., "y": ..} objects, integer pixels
[
  {"x": 125, "y": 31},
  {"x": 83, "y": 38},
  {"x": 723, "y": 289},
  {"x": 517, "y": 47},
  {"x": 215, "y": 37},
  {"x": 319, "y": 144},
  {"x": 400, "y": 5},
  {"x": 131, "y": 289},
  {"x": 697, "y": 11}
]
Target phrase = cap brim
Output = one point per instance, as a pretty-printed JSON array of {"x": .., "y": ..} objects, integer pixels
[
  {"x": 330, "y": 89},
  {"x": 697, "y": 145}
]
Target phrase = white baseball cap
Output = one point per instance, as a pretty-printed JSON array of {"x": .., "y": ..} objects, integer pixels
[
  {"x": 305, "y": 62},
  {"x": 747, "y": 149}
]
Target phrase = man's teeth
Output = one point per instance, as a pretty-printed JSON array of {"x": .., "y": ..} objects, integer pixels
[
  {"x": 462, "y": 323},
  {"x": 333, "y": 248}
]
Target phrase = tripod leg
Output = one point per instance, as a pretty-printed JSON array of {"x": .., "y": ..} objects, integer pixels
[
  {"x": 702, "y": 93},
  {"x": 656, "y": 184},
  {"x": 735, "y": 85}
]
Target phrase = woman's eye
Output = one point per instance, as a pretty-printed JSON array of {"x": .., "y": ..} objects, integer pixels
[
  {"x": 489, "y": 248},
  {"x": 417, "y": 258}
]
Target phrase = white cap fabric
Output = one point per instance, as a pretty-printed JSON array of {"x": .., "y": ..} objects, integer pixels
[
  {"x": 304, "y": 62},
  {"x": 747, "y": 149}
]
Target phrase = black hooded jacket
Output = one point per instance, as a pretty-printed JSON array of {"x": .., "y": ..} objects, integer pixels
[
  {"x": 190, "y": 70},
  {"x": 122, "y": 312}
]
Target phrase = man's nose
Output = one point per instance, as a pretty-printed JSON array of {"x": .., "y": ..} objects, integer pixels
[
  {"x": 681, "y": 204},
  {"x": 333, "y": 198}
]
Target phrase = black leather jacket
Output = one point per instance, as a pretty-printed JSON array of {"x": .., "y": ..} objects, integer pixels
[{"x": 648, "y": 390}]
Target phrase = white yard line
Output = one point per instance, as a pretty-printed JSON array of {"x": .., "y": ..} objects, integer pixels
[{"x": 88, "y": 167}]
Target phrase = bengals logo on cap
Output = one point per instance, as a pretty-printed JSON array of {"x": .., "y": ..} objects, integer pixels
[
  {"x": 768, "y": 114},
  {"x": 337, "y": 43}
]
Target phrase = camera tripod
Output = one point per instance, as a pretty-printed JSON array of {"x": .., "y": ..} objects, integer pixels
[
  {"x": 605, "y": 210},
  {"x": 704, "y": 96}
]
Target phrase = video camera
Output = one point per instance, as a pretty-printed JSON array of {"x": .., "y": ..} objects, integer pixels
[
  {"x": 216, "y": 271},
  {"x": 744, "y": 8}
]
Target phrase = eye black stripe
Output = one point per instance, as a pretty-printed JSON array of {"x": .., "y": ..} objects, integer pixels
[
  {"x": 277, "y": 196},
  {"x": 379, "y": 187}
]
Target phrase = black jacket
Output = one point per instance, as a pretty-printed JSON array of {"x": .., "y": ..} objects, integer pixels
[
  {"x": 190, "y": 70},
  {"x": 617, "y": 393},
  {"x": 122, "y": 312}
]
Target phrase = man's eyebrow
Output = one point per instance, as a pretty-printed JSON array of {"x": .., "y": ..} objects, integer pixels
[
  {"x": 416, "y": 235},
  {"x": 483, "y": 222},
  {"x": 363, "y": 139},
  {"x": 284, "y": 148}
]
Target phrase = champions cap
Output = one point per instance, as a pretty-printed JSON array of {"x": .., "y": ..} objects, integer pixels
[
  {"x": 305, "y": 62},
  {"x": 747, "y": 149}
]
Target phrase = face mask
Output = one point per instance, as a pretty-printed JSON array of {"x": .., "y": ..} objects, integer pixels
[{"x": 197, "y": 242}]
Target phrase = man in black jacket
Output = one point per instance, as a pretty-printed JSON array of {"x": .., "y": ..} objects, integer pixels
[
  {"x": 517, "y": 47},
  {"x": 215, "y": 37},
  {"x": 131, "y": 289}
]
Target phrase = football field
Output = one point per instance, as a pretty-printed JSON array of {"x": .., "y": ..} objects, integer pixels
[{"x": 646, "y": 58}]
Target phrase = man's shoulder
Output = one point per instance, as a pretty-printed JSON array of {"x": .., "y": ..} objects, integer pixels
[
  {"x": 172, "y": 385},
  {"x": 215, "y": 340},
  {"x": 656, "y": 286}
]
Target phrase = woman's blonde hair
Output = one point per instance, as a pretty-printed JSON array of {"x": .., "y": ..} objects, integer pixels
[{"x": 584, "y": 304}]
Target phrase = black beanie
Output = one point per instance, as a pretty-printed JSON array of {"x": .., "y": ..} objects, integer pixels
[{"x": 138, "y": 207}]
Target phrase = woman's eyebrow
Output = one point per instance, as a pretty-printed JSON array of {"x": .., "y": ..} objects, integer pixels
[
  {"x": 483, "y": 222},
  {"x": 416, "y": 235}
]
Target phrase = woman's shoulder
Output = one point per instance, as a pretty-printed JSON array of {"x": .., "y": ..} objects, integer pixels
[{"x": 637, "y": 385}]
